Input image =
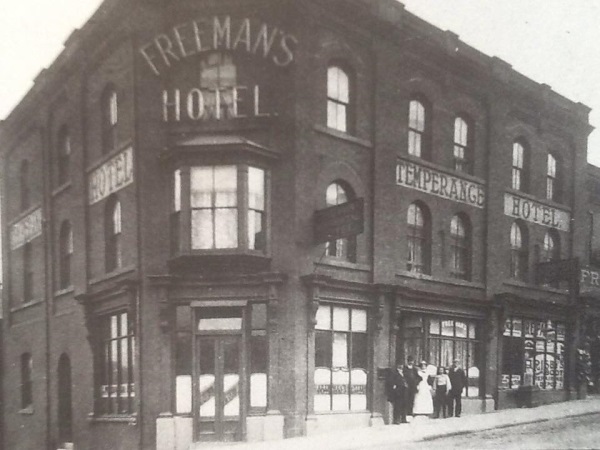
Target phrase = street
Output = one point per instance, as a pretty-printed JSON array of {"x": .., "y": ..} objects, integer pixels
[{"x": 576, "y": 432}]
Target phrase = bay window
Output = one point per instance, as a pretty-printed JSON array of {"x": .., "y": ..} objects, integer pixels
[{"x": 226, "y": 206}]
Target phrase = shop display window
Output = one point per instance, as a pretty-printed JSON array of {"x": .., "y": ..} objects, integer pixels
[
  {"x": 439, "y": 341},
  {"x": 533, "y": 354},
  {"x": 340, "y": 359}
]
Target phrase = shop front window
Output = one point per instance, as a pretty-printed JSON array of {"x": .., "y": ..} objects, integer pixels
[
  {"x": 439, "y": 341},
  {"x": 533, "y": 353},
  {"x": 340, "y": 359}
]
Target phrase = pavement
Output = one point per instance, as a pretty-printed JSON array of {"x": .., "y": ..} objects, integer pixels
[{"x": 423, "y": 429}]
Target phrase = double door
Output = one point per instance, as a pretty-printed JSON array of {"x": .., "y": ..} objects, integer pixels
[{"x": 219, "y": 388}]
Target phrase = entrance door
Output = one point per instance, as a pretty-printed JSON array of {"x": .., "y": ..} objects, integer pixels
[{"x": 218, "y": 409}]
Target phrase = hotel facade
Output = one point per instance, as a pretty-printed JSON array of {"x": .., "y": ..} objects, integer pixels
[{"x": 224, "y": 219}]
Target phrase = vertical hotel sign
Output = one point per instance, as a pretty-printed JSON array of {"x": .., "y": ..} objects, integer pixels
[
  {"x": 113, "y": 175},
  {"x": 26, "y": 229}
]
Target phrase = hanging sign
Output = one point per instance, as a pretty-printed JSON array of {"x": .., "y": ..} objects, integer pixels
[{"x": 339, "y": 221}]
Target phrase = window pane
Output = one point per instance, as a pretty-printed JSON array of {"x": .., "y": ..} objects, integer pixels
[
  {"x": 201, "y": 183},
  {"x": 258, "y": 377},
  {"x": 256, "y": 188},
  {"x": 447, "y": 328},
  {"x": 359, "y": 320},
  {"x": 340, "y": 350},
  {"x": 183, "y": 372},
  {"x": 359, "y": 350},
  {"x": 340, "y": 400},
  {"x": 341, "y": 319},
  {"x": 323, "y": 318},
  {"x": 177, "y": 190},
  {"x": 206, "y": 382},
  {"x": 226, "y": 228},
  {"x": 461, "y": 329},
  {"x": 225, "y": 186},
  {"x": 323, "y": 348},
  {"x": 434, "y": 326},
  {"x": 202, "y": 229}
]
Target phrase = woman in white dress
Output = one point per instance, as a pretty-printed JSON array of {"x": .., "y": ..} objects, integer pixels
[{"x": 423, "y": 405}]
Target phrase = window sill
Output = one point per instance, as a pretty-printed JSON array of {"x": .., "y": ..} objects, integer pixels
[
  {"x": 65, "y": 291},
  {"x": 113, "y": 418},
  {"x": 63, "y": 187},
  {"x": 335, "y": 262},
  {"x": 27, "y": 305},
  {"x": 343, "y": 136},
  {"x": 27, "y": 411},
  {"x": 114, "y": 274}
]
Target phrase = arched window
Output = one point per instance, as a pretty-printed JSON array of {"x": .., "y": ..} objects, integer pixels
[
  {"x": 64, "y": 391},
  {"x": 63, "y": 155},
  {"x": 66, "y": 254},
  {"x": 27, "y": 273},
  {"x": 519, "y": 166},
  {"x": 551, "y": 250},
  {"x": 463, "y": 153},
  {"x": 419, "y": 239},
  {"x": 552, "y": 179},
  {"x": 24, "y": 191},
  {"x": 338, "y": 99},
  {"x": 26, "y": 381},
  {"x": 113, "y": 226},
  {"x": 343, "y": 248},
  {"x": 109, "y": 119},
  {"x": 418, "y": 129},
  {"x": 519, "y": 256},
  {"x": 460, "y": 248}
]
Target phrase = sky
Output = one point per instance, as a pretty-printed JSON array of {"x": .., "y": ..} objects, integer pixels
[{"x": 551, "y": 41}]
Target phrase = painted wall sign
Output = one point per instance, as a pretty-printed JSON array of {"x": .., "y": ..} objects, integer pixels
[
  {"x": 535, "y": 212},
  {"x": 26, "y": 229},
  {"x": 212, "y": 104},
  {"x": 114, "y": 174},
  {"x": 589, "y": 280},
  {"x": 430, "y": 181},
  {"x": 218, "y": 33}
]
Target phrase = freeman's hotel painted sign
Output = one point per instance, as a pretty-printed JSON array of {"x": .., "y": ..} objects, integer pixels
[
  {"x": 425, "y": 179},
  {"x": 26, "y": 229},
  {"x": 114, "y": 174},
  {"x": 535, "y": 212},
  {"x": 219, "y": 33}
]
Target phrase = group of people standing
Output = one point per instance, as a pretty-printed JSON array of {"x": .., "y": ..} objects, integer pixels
[{"x": 412, "y": 392}]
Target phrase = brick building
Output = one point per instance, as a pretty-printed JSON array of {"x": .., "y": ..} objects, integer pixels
[{"x": 223, "y": 218}]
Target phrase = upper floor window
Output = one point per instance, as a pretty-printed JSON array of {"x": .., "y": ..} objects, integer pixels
[
  {"x": 228, "y": 207},
  {"x": 519, "y": 255},
  {"x": 419, "y": 239},
  {"x": 65, "y": 254},
  {"x": 338, "y": 99},
  {"x": 460, "y": 250},
  {"x": 109, "y": 119},
  {"x": 27, "y": 272},
  {"x": 115, "y": 390},
  {"x": 63, "y": 155},
  {"x": 343, "y": 248},
  {"x": 417, "y": 129},
  {"x": 463, "y": 153},
  {"x": 519, "y": 167},
  {"x": 113, "y": 228},
  {"x": 551, "y": 250},
  {"x": 218, "y": 71},
  {"x": 552, "y": 184},
  {"x": 24, "y": 188},
  {"x": 26, "y": 381}
]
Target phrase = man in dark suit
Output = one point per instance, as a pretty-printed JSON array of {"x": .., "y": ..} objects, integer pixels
[
  {"x": 396, "y": 393},
  {"x": 411, "y": 375},
  {"x": 458, "y": 380}
]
